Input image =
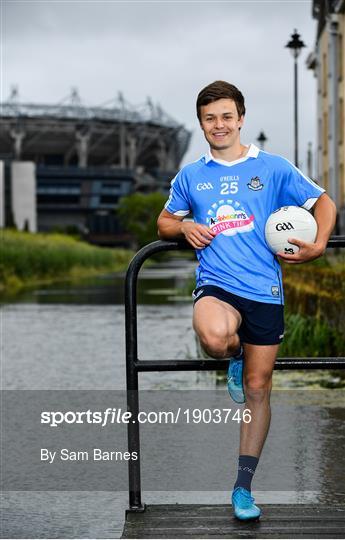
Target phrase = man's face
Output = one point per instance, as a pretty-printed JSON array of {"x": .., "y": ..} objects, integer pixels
[{"x": 220, "y": 123}]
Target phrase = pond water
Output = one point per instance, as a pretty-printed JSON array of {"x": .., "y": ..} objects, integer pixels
[{"x": 72, "y": 337}]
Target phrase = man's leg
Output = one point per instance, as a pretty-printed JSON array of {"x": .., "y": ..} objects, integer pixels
[
  {"x": 257, "y": 379},
  {"x": 216, "y": 323}
]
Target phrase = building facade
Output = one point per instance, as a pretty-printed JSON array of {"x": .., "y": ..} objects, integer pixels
[{"x": 328, "y": 63}]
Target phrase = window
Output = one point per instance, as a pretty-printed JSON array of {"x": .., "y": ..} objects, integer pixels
[
  {"x": 342, "y": 183},
  {"x": 58, "y": 193},
  {"x": 324, "y": 75},
  {"x": 110, "y": 185},
  {"x": 341, "y": 121},
  {"x": 109, "y": 199},
  {"x": 341, "y": 57},
  {"x": 53, "y": 159},
  {"x": 325, "y": 133},
  {"x": 325, "y": 180},
  {"x": 61, "y": 189},
  {"x": 62, "y": 200}
]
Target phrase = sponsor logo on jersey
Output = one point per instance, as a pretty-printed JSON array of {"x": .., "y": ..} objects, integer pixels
[
  {"x": 228, "y": 217},
  {"x": 255, "y": 184},
  {"x": 275, "y": 290},
  {"x": 204, "y": 185},
  {"x": 284, "y": 226}
]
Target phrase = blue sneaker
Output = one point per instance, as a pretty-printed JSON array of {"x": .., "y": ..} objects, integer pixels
[
  {"x": 243, "y": 505},
  {"x": 235, "y": 378}
]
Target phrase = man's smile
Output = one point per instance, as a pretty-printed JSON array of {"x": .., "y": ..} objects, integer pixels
[{"x": 220, "y": 134}]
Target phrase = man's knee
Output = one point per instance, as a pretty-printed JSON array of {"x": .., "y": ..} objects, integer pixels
[
  {"x": 257, "y": 386},
  {"x": 215, "y": 347},
  {"x": 218, "y": 343}
]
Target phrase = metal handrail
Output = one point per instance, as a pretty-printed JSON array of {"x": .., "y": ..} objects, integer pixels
[{"x": 134, "y": 365}]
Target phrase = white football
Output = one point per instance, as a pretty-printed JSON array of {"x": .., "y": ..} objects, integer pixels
[{"x": 289, "y": 222}]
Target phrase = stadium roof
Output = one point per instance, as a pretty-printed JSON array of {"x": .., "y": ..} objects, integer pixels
[
  {"x": 71, "y": 107},
  {"x": 113, "y": 133}
]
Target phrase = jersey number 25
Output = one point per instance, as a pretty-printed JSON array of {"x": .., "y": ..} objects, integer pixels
[{"x": 227, "y": 188}]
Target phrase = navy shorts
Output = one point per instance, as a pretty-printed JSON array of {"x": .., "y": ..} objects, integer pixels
[{"x": 262, "y": 323}]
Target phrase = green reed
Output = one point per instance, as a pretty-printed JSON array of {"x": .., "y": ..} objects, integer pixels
[
  {"x": 29, "y": 257},
  {"x": 307, "y": 336}
]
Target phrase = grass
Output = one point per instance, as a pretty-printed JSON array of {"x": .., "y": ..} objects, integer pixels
[
  {"x": 307, "y": 336},
  {"x": 28, "y": 259},
  {"x": 317, "y": 289}
]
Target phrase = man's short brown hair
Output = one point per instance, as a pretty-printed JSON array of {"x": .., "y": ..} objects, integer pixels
[{"x": 220, "y": 90}]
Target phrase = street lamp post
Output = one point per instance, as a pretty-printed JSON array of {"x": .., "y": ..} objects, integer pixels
[
  {"x": 261, "y": 140},
  {"x": 295, "y": 45}
]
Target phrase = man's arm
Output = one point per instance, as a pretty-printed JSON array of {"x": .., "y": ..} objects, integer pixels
[
  {"x": 172, "y": 226},
  {"x": 325, "y": 213}
]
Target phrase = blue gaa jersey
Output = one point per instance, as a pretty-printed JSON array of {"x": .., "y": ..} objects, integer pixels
[{"x": 235, "y": 200}]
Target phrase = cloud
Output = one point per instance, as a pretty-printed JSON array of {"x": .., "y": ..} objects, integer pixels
[{"x": 168, "y": 50}]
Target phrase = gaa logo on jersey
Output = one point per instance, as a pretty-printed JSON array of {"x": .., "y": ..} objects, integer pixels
[
  {"x": 204, "y": 185},
  {"x": 228, "y": 217}
]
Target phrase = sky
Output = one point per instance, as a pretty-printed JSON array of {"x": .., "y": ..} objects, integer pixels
[{"x": 167, "y": 50}]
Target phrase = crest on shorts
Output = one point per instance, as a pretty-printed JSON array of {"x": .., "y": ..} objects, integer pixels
[{"x": 255, "y": 184}]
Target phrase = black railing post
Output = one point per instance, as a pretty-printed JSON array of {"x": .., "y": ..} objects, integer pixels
[
  {"x": 132, "y": 382},
  {"x": 132, "y": 361},
  {"x": 133, "y": 365}
]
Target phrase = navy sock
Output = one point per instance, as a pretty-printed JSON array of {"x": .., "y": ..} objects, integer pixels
[{"x": 246, "y": 470}]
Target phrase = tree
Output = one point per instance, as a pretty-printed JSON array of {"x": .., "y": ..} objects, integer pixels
[{"x": 138, "y": 215}]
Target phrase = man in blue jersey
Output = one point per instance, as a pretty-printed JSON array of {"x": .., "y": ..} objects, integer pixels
[{"x": 238, "y": 300}]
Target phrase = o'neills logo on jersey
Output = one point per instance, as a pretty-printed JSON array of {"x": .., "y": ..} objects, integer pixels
[{"x": 229, "y": 217}]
